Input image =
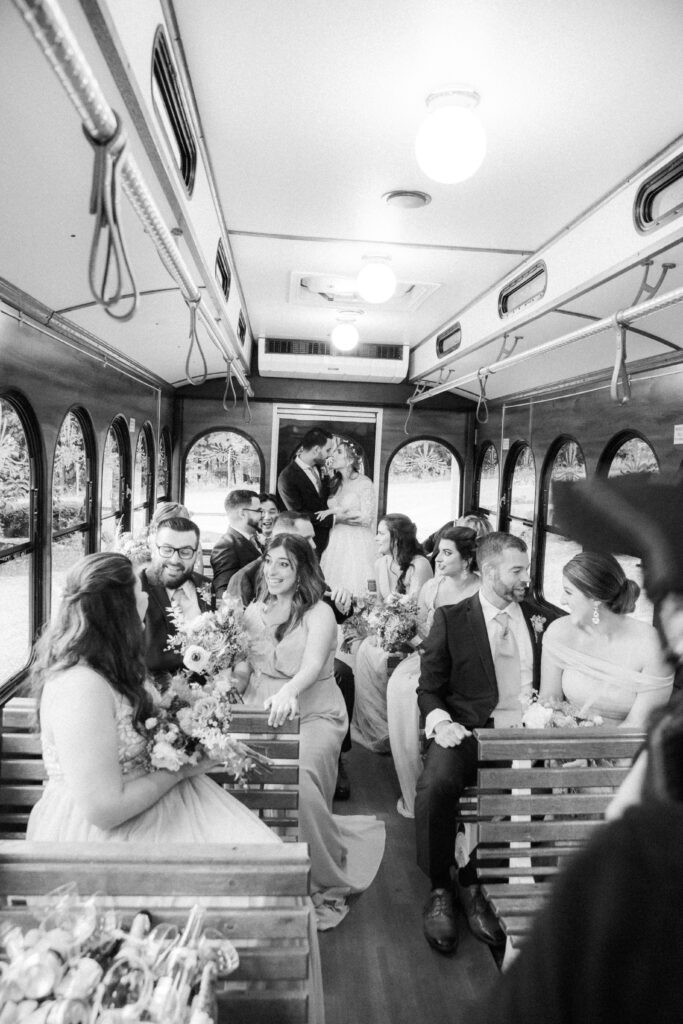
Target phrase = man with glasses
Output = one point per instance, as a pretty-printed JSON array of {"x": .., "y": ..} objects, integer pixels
[
  {"x": 173, "y": 588},
  {"x": 238, "y": 546}
]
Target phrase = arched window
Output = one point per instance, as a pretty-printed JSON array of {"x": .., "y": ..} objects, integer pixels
[
  {"x": 71, "y": 496},
  {"x": 19, "y": 476},
  {"x": 164, "y": 468},
  {"x": 565, "y": 462},
  {"x": 143, "y": 480},
  {"x": 627, "y": 453},
  {"x": 215, "y": 464},
  {"x": 520, "y": 493},
  {"x": 115, "y": 483},
  {"x": 486, "y": 483},
  {"x": 423, "y": 482}
]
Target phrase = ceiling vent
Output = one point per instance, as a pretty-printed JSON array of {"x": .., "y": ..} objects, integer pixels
[
  {"x": 279, "y": 357},
  {"x": 330, "y": 291}
]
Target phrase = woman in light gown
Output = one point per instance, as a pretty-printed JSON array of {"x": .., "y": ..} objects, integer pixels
[
  {"x": 454, "y": 581},
  {"x": 89, "y": 684},
  {"x": 292, "y": 642},
  {"x": 402, "y": 569},
  {"x": 348, "y": 560},
  {"x": 598, "y": 657}
]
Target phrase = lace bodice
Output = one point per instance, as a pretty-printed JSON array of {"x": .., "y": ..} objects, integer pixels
[
  {"x": 132, "y": 748},
  {"x": 356, "y": 495}
]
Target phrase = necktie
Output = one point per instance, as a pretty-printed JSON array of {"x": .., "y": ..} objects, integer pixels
[
  {"x": 506, "y": 660},
  {"x": 181, "y": 604}
]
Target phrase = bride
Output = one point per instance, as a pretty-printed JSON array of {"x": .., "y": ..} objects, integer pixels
[
  {"x": 293, "y": 637},
  {"x": 88, "y": 681},
  {"x": 598, "y": 657},
  {"x": 348, "y": 560}
]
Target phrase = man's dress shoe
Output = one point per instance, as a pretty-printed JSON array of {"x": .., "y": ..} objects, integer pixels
[
  {"x": 438, "y": 922},
  {"x": 480, "y": 918},
  {"x": 343, "y": 789}
]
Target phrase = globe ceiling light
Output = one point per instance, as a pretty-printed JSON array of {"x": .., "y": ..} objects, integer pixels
[
  {"x": 376, "y": 281},
  {"x": 451, "y": 143},
  {"x": 345, "y": 336}
]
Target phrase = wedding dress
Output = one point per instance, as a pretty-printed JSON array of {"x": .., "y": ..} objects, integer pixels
[
  {"x": 349, "y": 558},
  {"x": 599, "y": 686},
  {"x": 345, "y": 851}
]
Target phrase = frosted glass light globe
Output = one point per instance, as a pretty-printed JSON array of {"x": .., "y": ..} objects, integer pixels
[
  {"x": 450, "y": 144},
  {"x": 376, "y": 281},
  {"x": 345, "y": 337}
]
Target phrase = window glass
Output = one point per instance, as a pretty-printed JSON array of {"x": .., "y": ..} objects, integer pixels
[
  {"x": 487, "y": 484},
  {"x": 142, "y": 482},
  {"x": 115, "y": 485},
  {"x": 69, "y": 476},
  {"x": 423, "y": 482},
  {"x": 16, "y": 544},
  {"x": 568, "y": 464},
  {"x": 164, "y": 469},
  {"x": 65, "y": 551},
  {"x": 522, "y": 495},
  {"x": 217, "y": 463}
]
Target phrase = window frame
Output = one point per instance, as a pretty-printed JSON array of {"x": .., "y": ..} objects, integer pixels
[
  {"x": 145, "y": 434},
  {"x": 87, "y": 525},
  {"x": 506, "y": 516},
  {"x": 494, "y": 513},
  {"x": 543, "y": 528},
  {"x": 165, "y": 444},
  {"x": 122, "y": 515},
  {"x": 615, "y": 443},
  {"x": 413, "y": 440}
]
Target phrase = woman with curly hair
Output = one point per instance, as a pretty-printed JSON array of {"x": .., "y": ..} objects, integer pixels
[
  {"x": 293, "y": 636},
  {"x": 400, "y": 569},
  {"x": 598, "y": 656},
  {"x": 88, "y": 681}
]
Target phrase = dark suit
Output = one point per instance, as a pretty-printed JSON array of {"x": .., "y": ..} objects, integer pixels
[
  {"x": 243, "y": 586},
  {"x": 299, "y": 493},
  {"x": 229, "y": 554},
  {"x": 457, "y": 674},
  {"x": 159, "y": 626}
]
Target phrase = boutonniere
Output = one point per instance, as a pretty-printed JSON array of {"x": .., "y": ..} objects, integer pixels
[
  {"x": 538, "y": 622},
  {"x": 204, "y": 593}
]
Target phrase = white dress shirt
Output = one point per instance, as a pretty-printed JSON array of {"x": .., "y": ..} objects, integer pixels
[
  {"x": 185, "y": 599},
  {"x": 312, "y": 473}
]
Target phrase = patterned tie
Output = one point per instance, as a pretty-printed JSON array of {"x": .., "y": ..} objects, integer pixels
[
  {"x": 506, "y": 660},
  {"x": 181, "y": 604}
]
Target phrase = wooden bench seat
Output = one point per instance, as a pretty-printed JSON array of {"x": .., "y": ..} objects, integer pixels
[
  {"x": 273, "y": 796},
  {"x": 269, "y": 918},
  {"x": 540, "y": 794}
]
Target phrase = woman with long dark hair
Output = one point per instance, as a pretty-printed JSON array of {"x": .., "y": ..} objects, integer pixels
[
  {"x": 293, "y": 637},
  {"x": 599, "y": 657},
  {"x": 89, "y": 682},
  {"x": 400, "y": 569},
  {"x": 347, "y": 561}
]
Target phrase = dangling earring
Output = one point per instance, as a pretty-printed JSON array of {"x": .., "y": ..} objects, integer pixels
[{"x": 596, "y": 614}]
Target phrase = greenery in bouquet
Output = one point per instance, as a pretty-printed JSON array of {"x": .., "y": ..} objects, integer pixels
[
  {"x": 394, "y": 622},
  {"x": 552, "y": 713},
  {"x": 213, "y": 642},
  {"x": 135, "y": 546},
  {"x": 191, "y": 721}
]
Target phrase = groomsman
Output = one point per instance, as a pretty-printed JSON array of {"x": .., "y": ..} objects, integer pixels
[
  {"x": 239, "y": 545},
  {"x": 480, "y": 656},
  {"x": 172, "y": 586},
  {"x": 303, "y": 488}
]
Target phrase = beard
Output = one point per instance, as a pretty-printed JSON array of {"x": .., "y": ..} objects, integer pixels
[{"x": 159, "y": 576}]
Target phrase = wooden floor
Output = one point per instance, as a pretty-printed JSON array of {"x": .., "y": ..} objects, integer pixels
[{"x": 377, "y": 966}]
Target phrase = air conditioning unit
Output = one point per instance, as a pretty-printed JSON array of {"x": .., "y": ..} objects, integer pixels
[{"x": 318, "y": 360}]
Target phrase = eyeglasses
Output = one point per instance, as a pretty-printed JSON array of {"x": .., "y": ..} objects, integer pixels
[
  {"x": 247, "y": 508},
  {"x": 167, "y": 551}
]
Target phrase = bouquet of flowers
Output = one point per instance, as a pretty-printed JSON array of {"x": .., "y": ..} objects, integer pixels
[
  {"x": 394, "y": 622},
  {"x": 552, "y": 713},
  {"x": 134, "y": 546},
  {"x": 191, "y": 721},
  {"x": 356, "y": 627},
  {"x": 213, "y": 642}
]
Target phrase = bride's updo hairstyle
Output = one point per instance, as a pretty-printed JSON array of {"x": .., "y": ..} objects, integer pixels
[
  {"x": 601, "y": 578},
  {"x": 97, "y": 622},
  {"x": 310, "y": 584},
  {"x": 465, "y": 540},
  {"x": 404, "y": 544},
  {"x": 355, "y": 459}
]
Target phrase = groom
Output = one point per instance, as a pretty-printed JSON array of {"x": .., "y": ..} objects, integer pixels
[
  {"x": 303, "y": 488},
  {"x": 480, "y": 656}
]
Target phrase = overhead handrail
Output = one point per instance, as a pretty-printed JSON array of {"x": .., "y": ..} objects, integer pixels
[
  {"x": 620, "y": 371},
  {"x": 651, "y": 289},
  {"x": 481, "y": 414},
  {"x": 623, "y": 317},
  {"x": 51, "y": 31}
]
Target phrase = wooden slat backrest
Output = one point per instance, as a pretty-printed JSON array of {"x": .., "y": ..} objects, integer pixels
[
  {"x": 273, "y": 795},
  {"x": 272, "y": 937},
  {"x": 546, "y": 789}
]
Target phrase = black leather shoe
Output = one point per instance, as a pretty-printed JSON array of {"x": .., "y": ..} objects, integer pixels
[
  {"x": 438, "y": 922},
  {"x": 480, "y": 918},
  {"x": 343, "y": 789}
]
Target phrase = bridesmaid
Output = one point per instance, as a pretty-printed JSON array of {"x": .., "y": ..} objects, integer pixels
[{"x": 455, "y": 580}]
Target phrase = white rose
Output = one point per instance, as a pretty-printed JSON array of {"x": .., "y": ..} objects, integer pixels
[{"x": 195, "y": 658}]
